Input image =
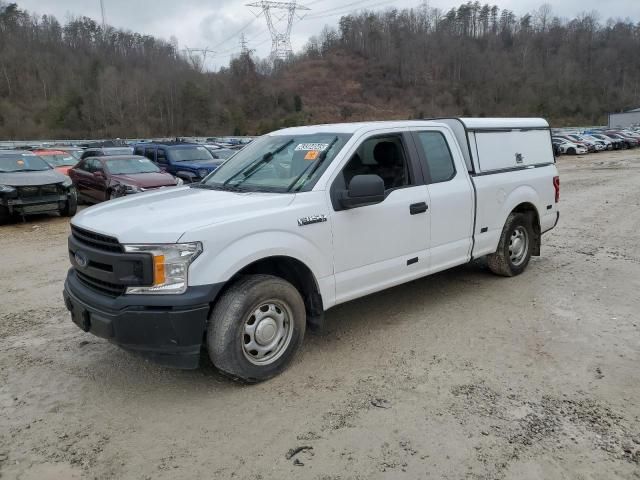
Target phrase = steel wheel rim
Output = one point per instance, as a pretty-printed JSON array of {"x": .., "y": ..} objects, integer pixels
[
  {"x": 267, "y": 332},
  {"x": 518, "y": 246}
]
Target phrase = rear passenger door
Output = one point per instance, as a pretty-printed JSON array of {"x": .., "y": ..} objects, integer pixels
[
  {"x": 451, "y": 195},
  {"x": 381, "y": 245}
]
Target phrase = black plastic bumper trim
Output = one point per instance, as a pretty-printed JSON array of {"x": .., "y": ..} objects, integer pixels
[{"x": 167, "y": 329}]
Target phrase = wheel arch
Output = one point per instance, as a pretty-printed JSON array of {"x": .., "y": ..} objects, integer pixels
[
  {"x": 529, "y": 208},
  {"x": 293, "y": 271}
]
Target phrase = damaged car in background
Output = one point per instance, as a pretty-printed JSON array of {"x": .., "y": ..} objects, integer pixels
[
  {"x": 29, "y": 185},
  {"x": 104, "y": 178}
]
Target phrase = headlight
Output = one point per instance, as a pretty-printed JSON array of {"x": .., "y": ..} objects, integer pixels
[
  {"x": 7, "y": 189},
  {"x": 170, "y": 266},
  {"x": 132, "y": 188},
  {"x": 67, "y": 182},
  {"x": 203, "y": 172},
  {"x": 179, "y": 181}
]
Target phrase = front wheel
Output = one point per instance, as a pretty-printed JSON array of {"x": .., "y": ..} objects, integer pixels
[
  {"x": 514, "y": 248},
  {"x": 71, "y": 207},
  {"x": 256, "y": 328}
]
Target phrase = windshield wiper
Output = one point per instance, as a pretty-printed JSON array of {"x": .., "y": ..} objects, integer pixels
[
  {"x": 219, "y": 186},
  {"x": 313, "y": 166},
  {"x": 253, "y": 168}
]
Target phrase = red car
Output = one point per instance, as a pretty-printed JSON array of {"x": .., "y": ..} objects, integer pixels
[
  {"x": 102, "y": 178},
  {"x": 61, "y": 161}
]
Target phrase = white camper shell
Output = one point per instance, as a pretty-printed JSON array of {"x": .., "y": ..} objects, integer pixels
[{"x": 490, "y": 145}]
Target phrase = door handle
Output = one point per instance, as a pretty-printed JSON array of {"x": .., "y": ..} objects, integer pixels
[{"x": 417, "y": 208}]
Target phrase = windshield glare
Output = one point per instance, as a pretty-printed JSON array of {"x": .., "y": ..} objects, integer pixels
[
  {"x": 22, "y": 163},
  {"x": 127, "y": 166},
  {"x": 190, "y": 154},
  {"x": 278, "y": 163},
  {"x": 59, "y": 160}
]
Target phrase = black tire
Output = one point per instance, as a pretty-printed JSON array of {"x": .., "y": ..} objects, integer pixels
[
  {"x": 571, "y": 151},
  {"x": 227, "y": 335},
  {"x": 5, "y": 216},
  {"x": 501, "y": 262},
  {"x": 71, "y": 207}
]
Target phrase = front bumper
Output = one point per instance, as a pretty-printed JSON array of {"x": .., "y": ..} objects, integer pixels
[
  {"x": 167, "y": 329},
  {"x": 52, "y": 203}
]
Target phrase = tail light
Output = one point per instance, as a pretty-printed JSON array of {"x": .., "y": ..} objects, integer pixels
[{"x": 556, "y": 186}]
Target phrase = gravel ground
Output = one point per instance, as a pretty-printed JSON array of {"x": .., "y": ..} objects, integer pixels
[{"x": 460, "y": 375}]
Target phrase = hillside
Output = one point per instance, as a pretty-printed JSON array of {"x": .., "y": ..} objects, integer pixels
[{"x": 76, "y": 80}]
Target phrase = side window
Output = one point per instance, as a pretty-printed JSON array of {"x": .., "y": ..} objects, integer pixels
[
  {"x": 161, "y": 156},
  {"x": 382, "y": 156},
  {"x": 150, "y": 153},
  {"x": 82, "y": 165},
  {"x": 439, "y": 159},
  {"x": 89, "y": 165}
]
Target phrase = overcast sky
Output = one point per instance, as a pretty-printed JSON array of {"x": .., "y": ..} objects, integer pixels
[{"x": 216, "y": 23}]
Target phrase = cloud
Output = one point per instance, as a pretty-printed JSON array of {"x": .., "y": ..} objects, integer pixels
[{"x": 214, "y": 23}]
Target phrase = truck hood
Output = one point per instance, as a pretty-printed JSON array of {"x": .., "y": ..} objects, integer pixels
[
  {"x": 163, "y": 216},
  {"x": 23, "y": 179}
]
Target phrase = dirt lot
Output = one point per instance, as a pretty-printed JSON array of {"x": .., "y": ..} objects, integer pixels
[{"x": 460, "y": 375}]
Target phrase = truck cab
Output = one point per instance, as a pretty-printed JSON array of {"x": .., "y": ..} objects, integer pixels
[
  {"x": 188, "y": 161},
  {"x": 301, "y": 220}
]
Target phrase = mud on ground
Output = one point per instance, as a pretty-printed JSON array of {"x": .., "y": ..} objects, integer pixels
[{"x": 462, "y": 375}]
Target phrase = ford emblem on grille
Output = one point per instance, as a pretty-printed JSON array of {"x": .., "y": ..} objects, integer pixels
[{"x": 81, "y": 260}]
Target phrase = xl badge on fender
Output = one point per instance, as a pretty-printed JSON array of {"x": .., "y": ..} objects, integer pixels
[{"x": 312, "y": 219}]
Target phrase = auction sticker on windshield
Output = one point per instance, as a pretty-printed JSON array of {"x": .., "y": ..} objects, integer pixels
[
  {"x": 305, "y": 147},
  {"x": 312, "y": 155}
]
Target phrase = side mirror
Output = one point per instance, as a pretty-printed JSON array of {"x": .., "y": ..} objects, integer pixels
[
  {"x": 98, "y": 174},
  {"x": 363, "y": 190}
]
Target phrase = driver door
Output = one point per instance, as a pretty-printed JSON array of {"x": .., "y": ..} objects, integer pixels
[{"x": 378, "y": 246}]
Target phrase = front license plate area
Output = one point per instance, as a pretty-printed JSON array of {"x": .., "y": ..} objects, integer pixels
[{"x": 82, "y": 318}]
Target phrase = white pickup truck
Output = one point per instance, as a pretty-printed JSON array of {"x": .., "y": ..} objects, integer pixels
[{"x": 299, "y": 221}]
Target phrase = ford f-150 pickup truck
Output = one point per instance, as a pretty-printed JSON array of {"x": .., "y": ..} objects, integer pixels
[{"x": 299, "y": 221}]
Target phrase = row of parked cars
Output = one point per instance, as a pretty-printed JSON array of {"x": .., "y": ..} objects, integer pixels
[
  {"x": 39, "y": 180},
  {"x": 595, "y": 140}
]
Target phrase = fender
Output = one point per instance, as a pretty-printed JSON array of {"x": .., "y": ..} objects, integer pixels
[
  {"x": 220, "y": 265},
  {"x": 521, "y": 194},
  {"x": 487, "y": 241}
]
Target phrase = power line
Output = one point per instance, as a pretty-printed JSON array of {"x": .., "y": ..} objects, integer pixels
[
  {"x": 340, "y": 11},
  {"x": 242, "y": 29}
]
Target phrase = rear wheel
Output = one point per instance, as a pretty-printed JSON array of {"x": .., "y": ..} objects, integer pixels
[
  {"x": 515, "y": 246},
  {"x": 256, "y": 328}
]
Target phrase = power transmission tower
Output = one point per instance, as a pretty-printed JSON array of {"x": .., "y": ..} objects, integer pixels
[
  {"x": 197, "y": 57},
  {"x": 280, "y": 40},
  {"x": 102, "y": 12},
  {"x": 244, "y": 48}
]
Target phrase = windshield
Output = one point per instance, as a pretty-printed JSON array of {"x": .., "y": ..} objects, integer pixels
[
  {"x": 189, "y": 154},
  {"x": 278, "y": 163},
  {"x": 223, "y": 153},
  {"x": 126, "y": 166},
  {"x": 59, "y": 159},
  {"x": 22, "y": 163}
]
